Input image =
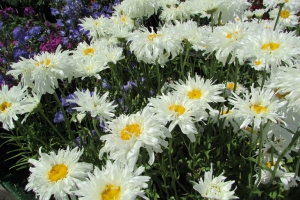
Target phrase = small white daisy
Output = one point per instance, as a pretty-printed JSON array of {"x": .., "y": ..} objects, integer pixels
[
  {"x": 179, "y": 110},
  {"x": 200, "y": 90},
  {"x": 94, "y": 104},
  {"x": 57, "y": 174},
  {"x": 130, "y": 133},
  {"x": 287, "y": 17},
  {"x": 114, "y": 182},
  {"x": 258, "y": 107},
  {"x": 215, "y": 187},
  {"x": 12, "y": 103},
  {"x": 239, "y": 88},
  {"x": 97, "y": 27}
]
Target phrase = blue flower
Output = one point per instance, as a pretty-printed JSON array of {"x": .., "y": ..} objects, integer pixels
[
  {"x": 19, "y": 34},
  {"x": 59, "y": 23},
  {"x": 54, "y": 11},
  {"x": 35, "y": 30},
  {"x": 58, "y": 117},
  {"x": 1, "y": 26}
]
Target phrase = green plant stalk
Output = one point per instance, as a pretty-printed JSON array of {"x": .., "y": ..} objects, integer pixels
[
  {"x": 66, "y": 119},
  {"x": 158, "y": 78},
  {"x": 259, "y": 158},
  {"x": 96, "y": 128},
  {"x": 236, "y": 74},
  {"x": 54, "y": 128},
  {"x": 278, "y": 15},
  {"x": 294, "y": 140},
  {"x": 173, "y": 183},
  {"x": 182, "y": 63},
  {"x": 264, "y": 79}
]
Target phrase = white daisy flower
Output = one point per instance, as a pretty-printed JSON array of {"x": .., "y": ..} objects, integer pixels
[
  {"x": 191, "y": 33},
  {"x": 45, "y": 69},
  {"x": 258, "y": 64},
  {"x": 97, "y": 27},
  {"x": 130, "y": 133},
  {"x": 89, "y": 68},
  {"x": 57, "y": 174},
  {"x": 294, "y": 4},
  {"x": 230, "y": 86},
  {"x": 181, "y": 11},
  {"x": 287, "y": 17},
  {"x": 259, "y": 13},
  {"x": 215, "y": 187},
  {"x": 258, "y": 107},
  {"x": 120, "y": 26},
  {"x": 286, "y": 84},
  {"x": 179, "y": 110},
  {"x": 137, "y": 8},
  {"x": 12, "y": 103},
  {"x": 228, "y": 39},
  {"x": 114, "y": 182},
  {"x": 206, "y": 8},
  {"x": 273, "y": 46},
  {"x": 152, "y": 47},
  {"x": 93, "y": 104},
  {"x": 288, "y": 179},
  {"x": 230, "y": 9},
  {"x": 200, "y": 90}
]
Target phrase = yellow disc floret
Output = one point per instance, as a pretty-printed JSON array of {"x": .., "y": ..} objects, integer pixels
[
  {"x": 194, "y": 94},
  {"x": 284, "y": 14},
  {"x": 57, "y": 172},
  {"x": 152, "y": 36},
  {"x": 270, "y": 46},
  {"x": 258, "y": 108},
  {"x": 111, "y": 192},
  {"x": 177, "y": 108},
  {"x": 130, "y": 130},
  {"x": 89, "y": 51},
  {"x": 4, "y": 106}
]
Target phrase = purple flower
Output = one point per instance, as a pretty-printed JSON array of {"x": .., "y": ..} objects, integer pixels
[
  {"x": 9, "y": 10},
  {"x": 35, "y": 30},
  {"x": 105, "y": 85},
  {"x": 20, "y": 53},
  {"x": 59, "y": 23},
  {"x": 58, "y": 117},
  {"x": 28, "y": 11},
  {"x": 95, "y": 6},
  {"x": 1, "y": 26},
  {"x": 54, "y": 11},
  {"x": 129, "y": 85},
  {"x": 19, "y": 34}
]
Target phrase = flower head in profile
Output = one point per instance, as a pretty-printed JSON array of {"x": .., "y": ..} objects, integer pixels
[
  {"x": 215, "y": 187},
  {"x": 114, "y": 182},
  {"x": 94, "y": 104},
  {"x": 57, "y": 174}
]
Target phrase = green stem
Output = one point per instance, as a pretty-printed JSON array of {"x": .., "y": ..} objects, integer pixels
[
  {"x": 66, "y": 119},
  {"x": 182, "y": 63},
  {"x": 96, "y": 128},
  {"x": 259, "y": 158},
  {"x": 52, "y": 126},
  {"x": 158, "y": 78},
  {"x": 294, "y": 140},
  {"x": 278, "y": 15},
  {"x": 264, "y": 79},
  {"x": 171, "y": 168}
]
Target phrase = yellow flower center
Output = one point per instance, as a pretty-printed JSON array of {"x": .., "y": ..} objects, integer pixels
[
  {"x": 270, "y": 46},
  {"x": 89, "y": 51},
  {"x": 284, "y": 14},
  {"x": 111, "y": 192},
  {"x": 123, "y": 19},
  {"x": 230, "y": 86},
  {"x": 226, "y": 112},
  {"x": 286, "y": 1},
  {"x": 130, "y": 130},
  {"x": 177, "y": 108},
  {"x": 257, "y": 62},
  {"x": 270, "y": 164},
  {"x": 229, "y": 35},
  {"x": 57, "y": 172},
  {"x": 194, "y": 94},
  {"x": 4, "y": 106},
  {"x": 258, "y": 108},
  {"x": 152, "y": 36},
  {"x": 42, "y": 62}
]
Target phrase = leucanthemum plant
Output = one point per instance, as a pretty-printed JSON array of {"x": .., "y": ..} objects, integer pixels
[{"x": 164, "y": 89}]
